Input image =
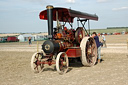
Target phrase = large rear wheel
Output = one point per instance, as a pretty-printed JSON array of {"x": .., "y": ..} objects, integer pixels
[{"x": 89, "y": 51}]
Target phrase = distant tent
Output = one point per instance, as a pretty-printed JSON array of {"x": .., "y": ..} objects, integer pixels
[
  {"x": 39, "y": 37},
  {"x": 24, "y": 37}
]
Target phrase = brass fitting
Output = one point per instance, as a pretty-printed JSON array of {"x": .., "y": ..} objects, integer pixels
[{"x": 49, "y": 7}]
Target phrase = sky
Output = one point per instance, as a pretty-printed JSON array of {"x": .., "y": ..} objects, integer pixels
[{"x": 22, "y": 16}]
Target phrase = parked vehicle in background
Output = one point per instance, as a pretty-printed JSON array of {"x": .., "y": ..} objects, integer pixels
[
  {"x": 116, "y": 33},
  {"x": 12, "y": 39},
  {"x": 3, "y": 39}
]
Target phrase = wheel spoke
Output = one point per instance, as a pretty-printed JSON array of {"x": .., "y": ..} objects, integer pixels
[
  {"x": 36, "y": 66},
  {"x": 61, "y": 66},
  {"x": 36, "y": 57},
  {"x": 41, "y": 66}
]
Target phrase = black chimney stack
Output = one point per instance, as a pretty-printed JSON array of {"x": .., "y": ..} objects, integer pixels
[{"x": 50, "y": 21}]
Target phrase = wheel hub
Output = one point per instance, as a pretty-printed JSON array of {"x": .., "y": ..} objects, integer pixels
[{"x": 64, "y": 63}]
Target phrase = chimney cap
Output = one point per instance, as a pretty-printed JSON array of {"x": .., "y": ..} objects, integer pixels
[{"x": 49, "y": 7}]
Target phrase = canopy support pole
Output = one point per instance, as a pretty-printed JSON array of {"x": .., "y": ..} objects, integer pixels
[
  {"x": 89, "y": 27},
  {"x": 83, "y": 24},
  {"x": 77, "y": 21}
]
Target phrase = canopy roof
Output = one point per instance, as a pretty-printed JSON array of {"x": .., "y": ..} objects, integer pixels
[{"x": 67, "y": 15}]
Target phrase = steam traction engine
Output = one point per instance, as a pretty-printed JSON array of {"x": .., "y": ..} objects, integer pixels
[{"x": 63, "y": 43}]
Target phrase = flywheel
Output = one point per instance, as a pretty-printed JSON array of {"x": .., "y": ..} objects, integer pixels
[{"x": 79, "y": 34}]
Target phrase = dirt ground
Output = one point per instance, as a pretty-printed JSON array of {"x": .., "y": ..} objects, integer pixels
[{"x": 15, "y": 66}]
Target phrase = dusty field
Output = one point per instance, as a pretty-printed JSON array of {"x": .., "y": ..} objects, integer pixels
[{"x": 15, "y": 66}]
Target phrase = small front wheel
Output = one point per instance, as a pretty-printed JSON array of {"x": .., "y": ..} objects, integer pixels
[
  {"x": 62, "y": 63},
  {"x": 36, "y": 64}
]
